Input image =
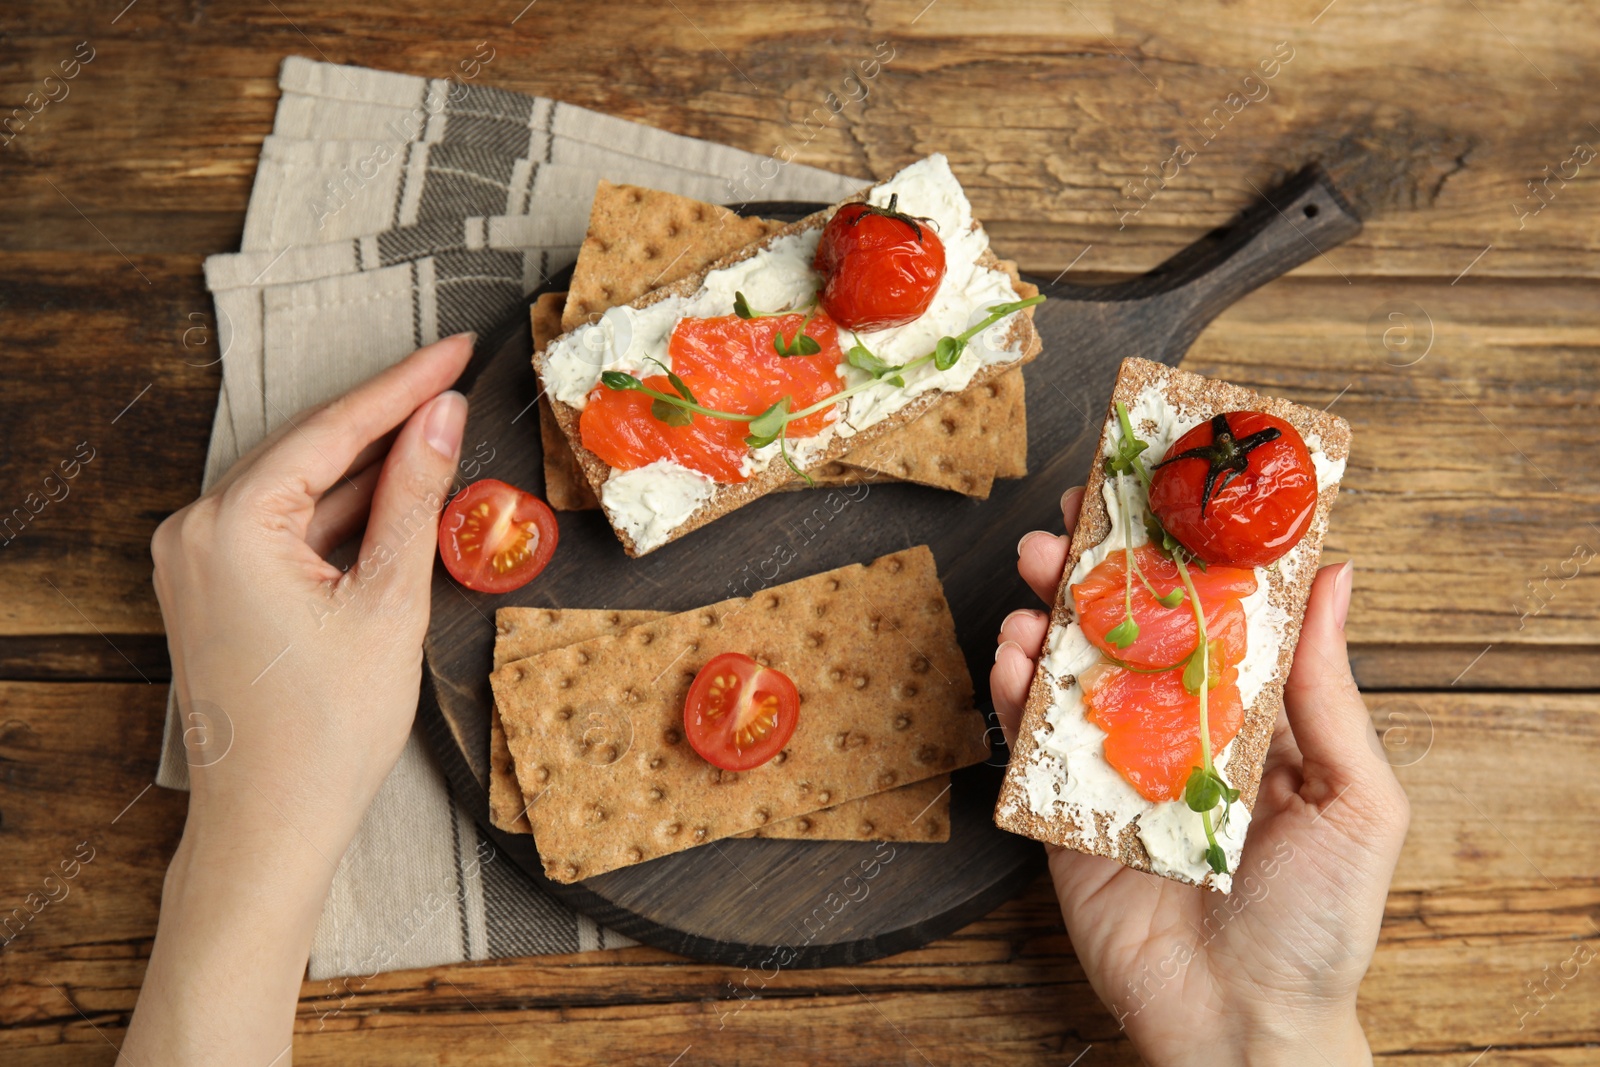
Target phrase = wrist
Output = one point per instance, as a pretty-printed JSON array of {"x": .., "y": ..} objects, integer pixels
[{"x": 1287, "y": 1038}]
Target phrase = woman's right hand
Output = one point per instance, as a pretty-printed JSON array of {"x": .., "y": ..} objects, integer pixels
[{"x": 1268, "y": 973}]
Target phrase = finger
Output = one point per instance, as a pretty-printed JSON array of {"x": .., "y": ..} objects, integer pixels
[
  {"x": 1026, "y": 627},
  {"x": 1330, "y": 722},
  {"x": 1071, "y": 504},
  {"x": 403, "y": 528},
  {"x": 317, "y": 449},
  {"x": 1009, "y": 680},
  {"x": 1041, "y": 557},
  {"x": 342, "y": 510}
]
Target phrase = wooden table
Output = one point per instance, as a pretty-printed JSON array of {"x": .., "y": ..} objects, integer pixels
[{"x": 1458, "y": 335}]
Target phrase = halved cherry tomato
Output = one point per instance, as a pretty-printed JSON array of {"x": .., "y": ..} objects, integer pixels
[
  {"x": 1239, "y": 489},
  {"x": 881, "y": 267},
  {"x": 740, "y": 714},
  {"x": 495, "y": 538}
]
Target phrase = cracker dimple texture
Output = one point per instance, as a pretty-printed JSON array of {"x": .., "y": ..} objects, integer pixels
[
  {"x": 913, "y": 812},
  {"x": 661, "y": 797}
]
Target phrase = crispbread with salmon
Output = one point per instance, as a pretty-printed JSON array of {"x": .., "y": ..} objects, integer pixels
[
  {"x": 1288, "y": 587},
  {"x": 1016, "y": 334}
]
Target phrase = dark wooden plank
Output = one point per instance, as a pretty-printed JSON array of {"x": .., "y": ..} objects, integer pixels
[
  {"x": 1500, "y": 894},
  {"x": 1069, "y": 115}
]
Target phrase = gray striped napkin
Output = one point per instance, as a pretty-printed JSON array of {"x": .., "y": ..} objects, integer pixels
[{"x": 389, "y": 211}]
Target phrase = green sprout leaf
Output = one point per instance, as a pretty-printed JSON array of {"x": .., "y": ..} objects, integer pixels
[
  {"x": 803, "y": 344},
  {"x": 670, "y": 413},
  {"x": 616, "y": 379},
  {"x": 766, "y": 427},
  {"x": 1126, "y": 458},
  {"x": 1172, "y": 599},
  {"x": 1194, "y": 670},
  {"x": 677, "y": 382},
  {"x": 1205, "y": 790},
  {"x": 1124, "y": 633},
  {"x": 947, "y": 352},
  {"x": 1217, "y": 858},
  {"x": 860, "y": 358},
  {"x": 681, "y": 387},
  {"x": 741, "y": 307}
]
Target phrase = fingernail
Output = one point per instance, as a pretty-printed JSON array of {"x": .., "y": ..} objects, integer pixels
[
  {"x": 1003, "y": 646},
  {"x": 446, "y": 418},
  {"x": 1030, "y": 533},
  {"x": 1342, "y": 584},
  {"x": 1067, "y": 496},
  {"x": 1029, "y": 612},
  {"x": 470, "y": 335}
]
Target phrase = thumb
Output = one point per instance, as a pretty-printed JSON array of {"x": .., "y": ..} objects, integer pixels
[
  {"x": 403, "y": 529},
  {"x": 1330, "y": 722}
]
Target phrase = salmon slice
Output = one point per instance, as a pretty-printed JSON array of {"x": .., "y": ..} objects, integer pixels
[
  {"x": 1152, "y": 724},
  {"x": 1166, "y": 635},
  {"x": 729, "y": 364}
]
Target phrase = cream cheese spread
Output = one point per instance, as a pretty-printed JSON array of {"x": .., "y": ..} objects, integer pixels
[
  {"x": 780, "y": 276},
  {"x": 649, "y": 502}
]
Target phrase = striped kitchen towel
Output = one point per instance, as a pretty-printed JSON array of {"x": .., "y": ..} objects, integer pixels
[{"x": 388, "y": 211}]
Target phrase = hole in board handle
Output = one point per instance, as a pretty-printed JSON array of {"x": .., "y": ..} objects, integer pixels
[{"x": 1311, "y": 211}]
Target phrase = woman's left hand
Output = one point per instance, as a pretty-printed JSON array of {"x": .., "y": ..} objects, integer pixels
[{"x": 297, "y": 684}]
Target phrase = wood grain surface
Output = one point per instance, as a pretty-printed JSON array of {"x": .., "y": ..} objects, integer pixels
[{"x": 1457, "y": 333}]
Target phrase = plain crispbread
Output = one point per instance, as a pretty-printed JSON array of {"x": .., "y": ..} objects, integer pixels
[
  {"x": 1289, "y": 588},
  {"x": 886, "y": 700},
  {"x": 1019, "y": 334},
  {"x": 916, "y": 812},
  {"x": 647, "y": 238}
]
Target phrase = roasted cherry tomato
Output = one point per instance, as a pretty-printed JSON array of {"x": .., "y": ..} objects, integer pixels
[
  {"x": 881, "y": 267},
  {"x": 1239, "y": 489},
  {"x": 495, "y": 538},
  {"x": 740, "y": 714}
]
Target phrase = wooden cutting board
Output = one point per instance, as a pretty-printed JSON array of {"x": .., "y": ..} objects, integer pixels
[{"x": 761, "y": 903}]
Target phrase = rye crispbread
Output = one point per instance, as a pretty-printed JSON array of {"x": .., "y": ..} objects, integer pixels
[
  {"x": 885, "y": 700},
  {"x": 919, "y": 811},
  {"x": 963, "y": 444},
  {"x": 1020, "y": 333},
  {"x": 1289, "y": 587}
]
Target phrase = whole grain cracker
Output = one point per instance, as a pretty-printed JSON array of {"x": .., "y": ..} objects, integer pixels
[
  {"x": 1195, "y": 398},
  {"x": 886, "y": 699},
  {"x": 1019, "y": 333},
  {"x": 647, "y": 238},
  {"x": 919, "y": 811},
  {"x": 523, "y": 632}
]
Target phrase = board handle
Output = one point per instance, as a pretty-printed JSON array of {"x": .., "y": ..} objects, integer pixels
[{"x": 1296, "y": 222}]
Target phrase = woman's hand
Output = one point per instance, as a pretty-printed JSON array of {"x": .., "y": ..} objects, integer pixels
[
  {"x": 298, "y": 683},
  {"x": 1270, "y": 971}
]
